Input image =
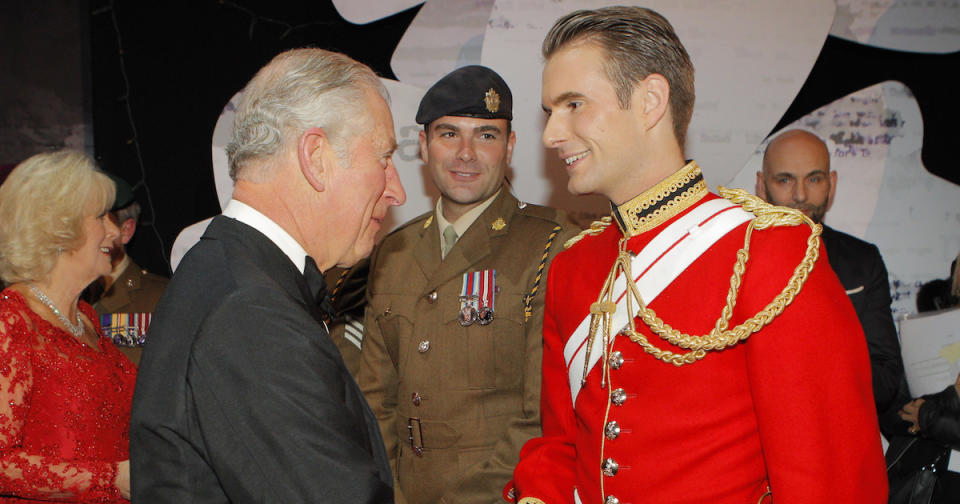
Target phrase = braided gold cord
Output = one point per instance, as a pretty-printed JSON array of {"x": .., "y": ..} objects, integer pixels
[
  {"x": 339, "y": 284},
  {"x": 596, "y": 227},
  {"x": 721, "y": 337},
  {"x": 528, "y": 299}
]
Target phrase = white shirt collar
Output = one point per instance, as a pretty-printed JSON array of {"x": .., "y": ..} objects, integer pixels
[{"x": 282, "y": 239}]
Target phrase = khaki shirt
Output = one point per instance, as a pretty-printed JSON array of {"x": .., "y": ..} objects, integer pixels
[{"x": 468, "y": 395}]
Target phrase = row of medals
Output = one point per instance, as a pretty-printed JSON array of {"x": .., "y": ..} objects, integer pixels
[{"x": 470, "y": 314}]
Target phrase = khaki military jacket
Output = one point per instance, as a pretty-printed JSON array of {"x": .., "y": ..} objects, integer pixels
[
  {"x": 456, "y": 403},
  {"x": 135, "y": 291},
  {"x": 347, "y": 290}
]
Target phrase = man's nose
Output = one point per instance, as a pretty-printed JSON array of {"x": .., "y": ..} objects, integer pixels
[
  {"x": 799, "y": 192},
  {"x": 394, "y": 191},
  {"x": 466, "y": 152},
  {"x": 552, "y": 135}
]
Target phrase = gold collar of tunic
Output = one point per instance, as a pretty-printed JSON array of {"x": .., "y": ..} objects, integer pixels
[{"x": 658, "y": 204}]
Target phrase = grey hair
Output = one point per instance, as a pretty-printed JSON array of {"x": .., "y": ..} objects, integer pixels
[
  {"x": 637, "y": 42},
  {"x": 131, "y": 211},
  {"x": 298, "y": 90}
]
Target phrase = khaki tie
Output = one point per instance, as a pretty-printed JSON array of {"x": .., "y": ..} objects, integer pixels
[{"x": 449, "y": 239}]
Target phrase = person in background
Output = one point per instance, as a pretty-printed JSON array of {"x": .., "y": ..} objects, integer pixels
[
  {"x": 129, "y": 294},
  {"x": 936, "y": 417},
  {"x": 697, "y": 348},
  {"x": 347, "y": 303},
  {"x": 452, "y": 347},
  {"x": 65, "y": 390},
  {"x": 796, "y": 173}
]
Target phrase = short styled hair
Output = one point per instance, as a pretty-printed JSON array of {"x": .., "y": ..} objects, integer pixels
[
  {"x": 638, "y": 42},
  {"x": 131, "y": 211},
  {"x": 42, "y": 206},
  {"x": 298, "y": 90}
]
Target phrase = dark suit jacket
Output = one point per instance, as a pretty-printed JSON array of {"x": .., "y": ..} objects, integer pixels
[
  {"x": 241, "y": 395},
  {"x": 861, "y": 271}
]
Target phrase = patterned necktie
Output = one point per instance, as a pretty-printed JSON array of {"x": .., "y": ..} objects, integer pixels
[{"x": 449, "y": 240}]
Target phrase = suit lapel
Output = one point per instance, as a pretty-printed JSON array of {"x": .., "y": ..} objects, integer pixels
[{"x": 427, "y": 250}]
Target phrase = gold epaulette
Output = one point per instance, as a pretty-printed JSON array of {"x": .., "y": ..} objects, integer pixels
[
  {"x": 596, "y": 227},
  {"x": 720, "y": 337}
]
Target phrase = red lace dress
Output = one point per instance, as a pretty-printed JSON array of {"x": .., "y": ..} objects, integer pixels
[{"x": 64, "y": 409}]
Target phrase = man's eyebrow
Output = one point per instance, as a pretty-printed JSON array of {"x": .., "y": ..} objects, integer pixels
[
  {"x": 782, "y": 174},
  {"x": 567, "y": 96},
  {"x": 446, "y": 126},
  {"x": 487, "y": 128}
]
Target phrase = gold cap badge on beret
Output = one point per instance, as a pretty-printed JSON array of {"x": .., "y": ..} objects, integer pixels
[{"x": 492, "y": 100}]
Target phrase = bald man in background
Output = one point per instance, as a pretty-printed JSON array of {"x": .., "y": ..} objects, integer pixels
[{"x": 796, "y": 173}]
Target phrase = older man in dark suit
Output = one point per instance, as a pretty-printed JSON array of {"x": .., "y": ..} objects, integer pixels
[
  {"x": 242, "y": 397},
  {"x": 796, "y": 173}
]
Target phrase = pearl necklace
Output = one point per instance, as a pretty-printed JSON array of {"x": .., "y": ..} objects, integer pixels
[{"x": 75, "y": 330}]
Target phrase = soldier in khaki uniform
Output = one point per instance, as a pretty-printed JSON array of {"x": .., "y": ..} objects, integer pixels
[
  {"x": 451, "y": 357},
  {"x": 128, "y": 289},
  {"x": 347, "y": 288}
]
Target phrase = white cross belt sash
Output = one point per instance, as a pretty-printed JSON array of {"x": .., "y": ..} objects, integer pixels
[{"x": 658, "y": 264}]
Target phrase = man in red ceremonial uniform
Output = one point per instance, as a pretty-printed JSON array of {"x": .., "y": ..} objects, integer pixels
[{"x": 731, "y": 368}]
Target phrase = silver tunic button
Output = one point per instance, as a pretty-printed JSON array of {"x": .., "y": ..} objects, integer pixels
[
  {"x": 618, "y": 397},
  {"x": 616, "y": 360},
  {"x": 423, "y": 346},
  {"x": 610, "y": 467},
  {"x": 611, "y": 500},
  {"x": 432, "y": 297},
  {"x": 415, "y": 398},
  {"x": 612, "y": 430}
]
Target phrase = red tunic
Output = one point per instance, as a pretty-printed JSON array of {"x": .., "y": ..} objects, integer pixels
[
  {"x": 64, "y": 409},
  {"x": 791, "y": 408}
]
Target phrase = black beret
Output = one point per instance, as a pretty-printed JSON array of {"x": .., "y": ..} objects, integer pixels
[
  {"x": 470, "y": 91},
  {"x": 124, "y": 195}
]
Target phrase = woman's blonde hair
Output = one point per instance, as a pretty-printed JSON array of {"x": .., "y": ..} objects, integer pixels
[{"x": 42, "y": 206}]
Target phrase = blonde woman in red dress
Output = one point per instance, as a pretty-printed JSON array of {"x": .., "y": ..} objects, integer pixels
[{"x": 65, "y": 390}]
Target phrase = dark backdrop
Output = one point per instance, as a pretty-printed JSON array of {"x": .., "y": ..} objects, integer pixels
[{"x": 162, "y": 72}]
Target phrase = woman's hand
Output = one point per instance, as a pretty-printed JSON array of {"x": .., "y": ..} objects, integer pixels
[
  {"x": 911, "y": 413},
  {"x": 123, "y": 478}
]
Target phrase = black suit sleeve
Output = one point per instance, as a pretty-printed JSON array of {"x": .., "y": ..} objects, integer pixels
[
  {"x": 882, "y": 341},
  {"x": 279, "y": 417}
]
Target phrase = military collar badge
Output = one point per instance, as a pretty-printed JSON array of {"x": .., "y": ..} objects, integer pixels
[{"x": 498, "y": 224}]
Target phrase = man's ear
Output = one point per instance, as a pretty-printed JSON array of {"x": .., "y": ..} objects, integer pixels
[
  {"x": 833, "y": 189},
  {"x": 761, "y": 189},
  {"x": 511, "y": 141},
  {"x": 654, "y": 97},
  {"x": 424, "y": 156},
  {"x": 127, "y": 229},
  {"x": 313, "y": 150}
]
